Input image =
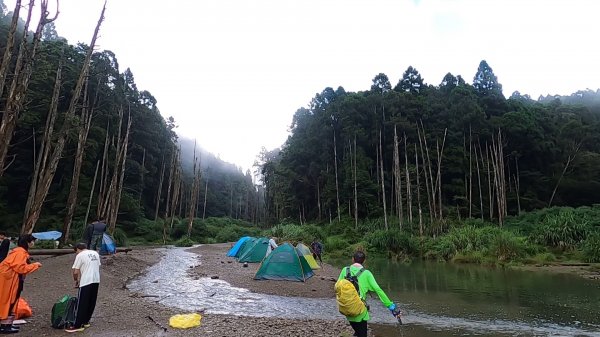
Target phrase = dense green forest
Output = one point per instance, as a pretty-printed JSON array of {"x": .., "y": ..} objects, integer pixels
[
  {"x": 134, "y": 169},
  {"x": 414, "y": 160},
  {"x": 453, "y": 171}
]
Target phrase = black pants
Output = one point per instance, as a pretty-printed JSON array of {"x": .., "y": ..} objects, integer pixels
[
  {"x": 86, "y": 304},
  {"x": 360, "y": 328},
  {"x": 315, "y": 256}
]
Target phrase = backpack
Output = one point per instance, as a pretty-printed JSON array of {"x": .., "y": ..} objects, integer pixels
[
  {"x": 348, "y": 296},
  {"x": 64, "y": 312}
]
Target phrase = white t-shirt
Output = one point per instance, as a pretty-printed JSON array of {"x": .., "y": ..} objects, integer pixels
[
  {"x": 272, "y": 246},
  {"x": 88, "y": 263}
]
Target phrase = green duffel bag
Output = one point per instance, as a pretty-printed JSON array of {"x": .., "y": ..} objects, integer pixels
[{"x": 63, "y": 312}]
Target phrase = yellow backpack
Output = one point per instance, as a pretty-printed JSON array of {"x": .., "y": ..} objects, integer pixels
[{"x": 347, "y": 295}]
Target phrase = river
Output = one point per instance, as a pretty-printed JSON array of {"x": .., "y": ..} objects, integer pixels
[{"x": 440, "y": 299}]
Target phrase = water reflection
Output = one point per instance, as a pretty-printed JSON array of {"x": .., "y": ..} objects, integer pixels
[{"x": 451, "y": 299}]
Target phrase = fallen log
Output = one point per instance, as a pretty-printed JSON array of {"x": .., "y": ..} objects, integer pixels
[{"x": 65, "y": 251}]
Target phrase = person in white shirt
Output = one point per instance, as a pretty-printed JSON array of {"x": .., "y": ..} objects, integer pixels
[
  {"x": 272, "y": 246},
  {"x": 86, "y": 273}
]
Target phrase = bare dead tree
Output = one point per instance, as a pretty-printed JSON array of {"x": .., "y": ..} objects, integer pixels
[
  {"x": 85, "y": 122},
  {"x": 398, "y": 180},
  {"x": 142, "y": 174},
  {"x": 470, "y": 172},
  {"x": 117, "y": 195},
  {"x": 176, "y": 187},
  {"x": 355, "y": 189},
  {"x": 575, "y": 149},
  {"x": 337, "y": 189},
  {"x": 497, "y": 154},
  {"x": 440, "y": 155},
  {"x": 430, "y": 197},
  {"x": 47, "y": 174},
  {"x": 21, "y": 75},
  {"x": 160, "y": 184},
  {"x": 408, "y": 183},
  {"x": 489, "y": 174},
  {"x": 382, "y": 183},
  {"x": 479, "y": 183},
  {"x": 45, "y": 145},
  {"x": 421, "y": 229},
  {"x": 194, "y": 193},
  {"x": 87, "y": 212},
  {"x": 205, "y": 198},
  {"x": 10, "y": 43},
  {"x": 518, "y": 185}
]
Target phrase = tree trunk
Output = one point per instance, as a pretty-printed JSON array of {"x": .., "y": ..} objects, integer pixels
[
  {"x": 428, "y": 182},
  {"x": 117, "y": 197},
  {"x": 8, "y": 49},
  {"x": 20, "y": 79},
  {"x": 398, "y": 180},
  {"x": 87, "y": 212},
  {"x": 470, "y": 173},
  {"x": 355, "y": 189},
  {"x": 408, "y": 184},
  {"x": 421, "y": 229},
  {"x": 382, "y": 183},
  {"x": 142, "y": 174},
  {"x": 570, "y": 159},
  {"x": 518, "y": 185},
  {"x": 159, "y": 191},
  {"x": 45, "y": 145},
  {"x": 479, "y": 183},
  {"x": 337, "y": 189},
  {"x": 86, "y": 119},
  {"x": 205, "y": 198}
]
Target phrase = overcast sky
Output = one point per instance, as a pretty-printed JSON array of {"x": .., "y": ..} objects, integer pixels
[{"x": 233, "y": 72}]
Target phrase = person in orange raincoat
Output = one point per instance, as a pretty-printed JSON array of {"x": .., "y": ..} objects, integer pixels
[{"x": 12, "y": 275}]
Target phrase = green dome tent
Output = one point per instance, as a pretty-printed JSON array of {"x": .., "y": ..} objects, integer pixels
[
  {"x": 284, "y": 263},
  {"x": 305, "y": 251},
  {"x": 254, "y": 251}
]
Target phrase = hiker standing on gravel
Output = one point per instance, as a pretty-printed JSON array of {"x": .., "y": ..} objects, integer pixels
[
  {"x": 86, "y": 274},
  {"x": 12, "y": 276},
  {"x": 272, "y": 246},
  {"x": 317, "y": 249},
  {"x": 93, "y": 234},
  {"x": 4, "y": 246},
  {"x": 356, "y": 280}
]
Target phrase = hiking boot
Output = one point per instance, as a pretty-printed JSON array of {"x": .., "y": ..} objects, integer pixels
[
  {"x": 72, "y": 329},
  {"x": 7, "y": 329}
]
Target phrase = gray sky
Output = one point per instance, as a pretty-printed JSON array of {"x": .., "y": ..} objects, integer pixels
[{"x": 233, "y": 72}]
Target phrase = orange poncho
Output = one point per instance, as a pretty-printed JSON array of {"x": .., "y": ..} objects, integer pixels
[{"x": 14, "y": 265}]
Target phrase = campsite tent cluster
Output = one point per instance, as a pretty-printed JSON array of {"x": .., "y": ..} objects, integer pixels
[{"x": 286, "y": 262}]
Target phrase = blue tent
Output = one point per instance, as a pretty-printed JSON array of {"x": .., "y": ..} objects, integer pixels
[
  {"x": 52, "y": 235},
  {"x": 233, "y": 251},
  {"x": 108, "y": 245}
]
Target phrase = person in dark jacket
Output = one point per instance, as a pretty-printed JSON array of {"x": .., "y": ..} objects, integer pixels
[
  {"x": 4, "y": 246},
  {"x": 93, "y": 234}
]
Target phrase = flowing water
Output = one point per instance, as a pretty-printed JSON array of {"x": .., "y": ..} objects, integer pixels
[{"x": 440, "y": 299}]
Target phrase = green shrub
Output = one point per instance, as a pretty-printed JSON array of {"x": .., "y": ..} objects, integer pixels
[
  {"x": 591, "y": 248},
  {"x": 564, "y": 230},
  {"x": 184, "y": 242},
  {"x": 120, "y": 237},
  {"x": 506, "y": 247},
  {"x": 541, "y": 259}
]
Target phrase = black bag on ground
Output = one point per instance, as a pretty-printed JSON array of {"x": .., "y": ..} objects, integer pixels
[{"x": 63, "y": 312}]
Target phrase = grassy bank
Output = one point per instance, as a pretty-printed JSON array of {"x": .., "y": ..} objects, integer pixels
[{"x": 547, "y": 236}]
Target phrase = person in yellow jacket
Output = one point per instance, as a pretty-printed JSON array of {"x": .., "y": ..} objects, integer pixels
[
  {"x": 12, "y": 275},
  {"x": 366, "y": 283}
]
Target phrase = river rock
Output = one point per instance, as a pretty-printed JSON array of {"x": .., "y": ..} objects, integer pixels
[{"x": 214, "y": 277}]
